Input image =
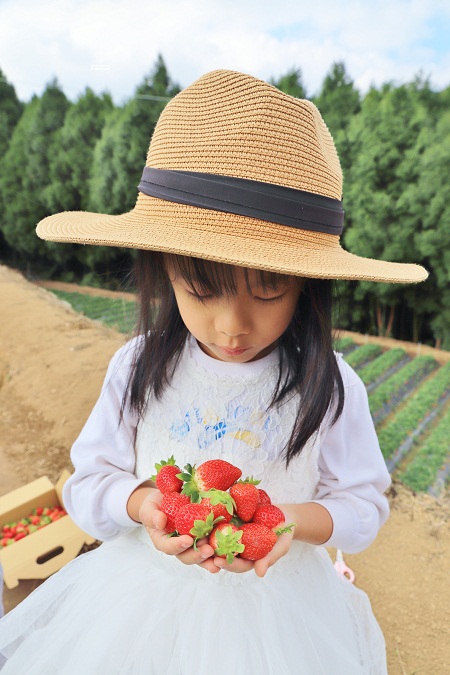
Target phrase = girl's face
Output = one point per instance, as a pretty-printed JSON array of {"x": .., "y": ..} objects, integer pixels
[{"x": 241, "y": 327}]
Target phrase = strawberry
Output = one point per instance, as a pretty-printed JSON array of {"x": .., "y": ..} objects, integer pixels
[
  {"x": 170, "y": 505},
  {"x": 225, "y": 540},
  {"x": 221, "y": 503},
  {"x": 195, "y": 519},
  {"x": 269, "y": 515},
  {"x": 263, "y": 497},
  {"x": 214, "y": 473},
  {"x": 166, "y": 476},
  {"x": 258, "y": 540},
  {"x": 246, "y": 497}
]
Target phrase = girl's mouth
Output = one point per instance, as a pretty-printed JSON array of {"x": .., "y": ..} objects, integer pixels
[{"x": 233, "y": 352}]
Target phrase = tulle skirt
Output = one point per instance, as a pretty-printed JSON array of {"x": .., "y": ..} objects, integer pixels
[{"x": 126, "y": 609}]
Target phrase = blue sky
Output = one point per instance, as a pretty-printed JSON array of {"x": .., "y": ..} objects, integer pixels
[{"x": 110, "y": 45}]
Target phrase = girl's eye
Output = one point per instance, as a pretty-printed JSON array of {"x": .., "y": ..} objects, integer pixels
[
  {"x": 200, "y": 298},
  {"x": 277, "y": 298}
]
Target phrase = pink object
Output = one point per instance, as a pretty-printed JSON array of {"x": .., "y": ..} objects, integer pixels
[{"x": 342, "y": 568}]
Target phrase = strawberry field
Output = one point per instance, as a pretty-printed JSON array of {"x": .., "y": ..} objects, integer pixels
[
  {"x": 409, "y": 397},
  {"x": 409, "y": 400}
]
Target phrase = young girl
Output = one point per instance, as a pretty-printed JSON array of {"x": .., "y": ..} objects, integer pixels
[{"x": 237, "y": 223}]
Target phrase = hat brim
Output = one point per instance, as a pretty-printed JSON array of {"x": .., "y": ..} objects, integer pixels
[{"x": 159, "y": 225}]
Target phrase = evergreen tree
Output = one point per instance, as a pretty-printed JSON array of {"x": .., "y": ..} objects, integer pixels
[
  {"x": 18, "y": 207},
  {"x": 70, "y": 164},
  {"x": 338, "y": 100},
  {"x": 26, "y": 171},
  {"x": 120, "y": 156},
  {"x": 427, "y": 206},
  {"x": 122, "y": 150},
  {"x": 291, "y": 83},
  {"x": 383, "y": 136},
  {"x": 10, "y": 111}
]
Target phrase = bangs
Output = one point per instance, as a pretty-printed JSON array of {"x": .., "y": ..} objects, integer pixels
[{"x": 207, "y": 277}]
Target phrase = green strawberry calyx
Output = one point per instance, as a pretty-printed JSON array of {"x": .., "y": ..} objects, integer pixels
[
  {"x": 220, "y": 497},
  {"x": 190, "y": 487},
  {"x": 170, "y": 462},
  {"x": 228, "y": 543},
  {"x": 249, "y": 481},
  {"x": 203, "y": 527},
  {"x": 285, "y": 529}
]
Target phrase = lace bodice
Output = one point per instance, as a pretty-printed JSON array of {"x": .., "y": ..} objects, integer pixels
[{"x": 216, "y": 410}]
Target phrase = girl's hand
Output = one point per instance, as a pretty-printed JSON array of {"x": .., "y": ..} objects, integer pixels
[
  {"x": 261, "y": 566},
  {"x": 154, "y": 521}
]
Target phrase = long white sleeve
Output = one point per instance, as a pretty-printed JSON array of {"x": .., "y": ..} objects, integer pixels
[
  {"x": 97, "y": 493},
  {"x": 353, "y": 473}
]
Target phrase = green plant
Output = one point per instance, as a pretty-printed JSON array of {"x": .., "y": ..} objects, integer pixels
[
  {"x": 363, "y": 354},
  {"x": 378, "y": 366},
  {"x": 421, "y": 473},
  {"x": 421, "y": 403}
]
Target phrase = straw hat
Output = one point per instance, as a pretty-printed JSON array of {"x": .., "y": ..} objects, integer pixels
[{"x": 240, "y": 173}]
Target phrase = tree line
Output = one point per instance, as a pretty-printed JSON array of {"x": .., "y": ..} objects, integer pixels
[{"x": 393, "y": 142}]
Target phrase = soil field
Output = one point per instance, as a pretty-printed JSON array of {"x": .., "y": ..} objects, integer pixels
[{"x": 52, "y": 364}]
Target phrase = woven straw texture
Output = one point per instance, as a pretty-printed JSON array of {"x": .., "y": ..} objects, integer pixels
[{"x": 232, "y": 124}]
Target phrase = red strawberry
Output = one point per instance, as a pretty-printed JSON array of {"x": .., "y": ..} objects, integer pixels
[
  {"x": 246, "y": 497},
  {"x": 225, "y": 540},
  {"x": 263, "y": 497},
  {"x": 270, "y": 516},
  {"x": 20, "y": 535},
  {"x": 166, "y": 476},
  {"x": 170, "y": 505},
  {"x": 258, "y": 540},
  {"x": 194, "y": 519},
  {"x": 220, "y": 503},
  {"x": 214, "y": 473}
]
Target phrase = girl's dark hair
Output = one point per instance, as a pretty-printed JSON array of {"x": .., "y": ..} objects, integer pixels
[{"x": 307, "y": 364}]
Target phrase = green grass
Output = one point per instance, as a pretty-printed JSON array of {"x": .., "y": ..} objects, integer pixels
[{"x": 117, "y": 313}]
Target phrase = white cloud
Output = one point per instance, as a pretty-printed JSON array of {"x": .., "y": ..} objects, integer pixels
[{"x": 112, "y": 44}]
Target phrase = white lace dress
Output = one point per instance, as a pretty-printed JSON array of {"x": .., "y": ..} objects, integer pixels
[{"x": 127, "y": 609}]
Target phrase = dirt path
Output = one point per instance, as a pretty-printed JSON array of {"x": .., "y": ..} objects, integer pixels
[{"x": 52, "y": 364}]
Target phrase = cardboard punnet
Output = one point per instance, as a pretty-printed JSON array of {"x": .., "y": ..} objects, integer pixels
[{"x": 40, "y": 554}]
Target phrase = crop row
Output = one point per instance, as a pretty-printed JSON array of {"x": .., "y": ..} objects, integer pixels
[
  {"x": 117, "y": 313},
  {"x": 392, "y": 391},
  {"x": 343, "y": 344},
  {"x": 364, "y": 353},
  {"x": 423, "y": 469},
  {"x": 419, "y": 405},
  {"x": 374, "y": 369}
]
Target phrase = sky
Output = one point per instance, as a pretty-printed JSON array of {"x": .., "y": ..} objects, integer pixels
[{"x": 111, "y": 45}]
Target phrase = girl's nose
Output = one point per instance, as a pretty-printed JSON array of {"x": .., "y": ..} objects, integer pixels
[{"x": 232, "y": 320}]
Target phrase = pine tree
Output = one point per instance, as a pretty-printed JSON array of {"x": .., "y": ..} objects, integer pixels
[
  {"x": 383, "y": 136},
  {"x": 10, "y": 111},
  {"x": 291, "y": 83}
]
